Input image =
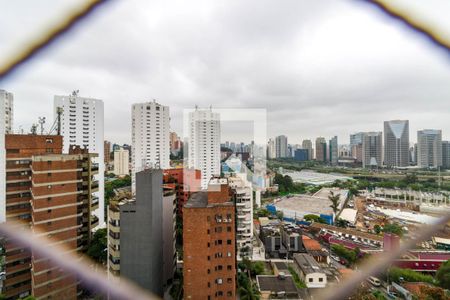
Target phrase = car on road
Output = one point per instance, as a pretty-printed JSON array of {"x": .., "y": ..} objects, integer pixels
[{"x": 374, "y": 281}]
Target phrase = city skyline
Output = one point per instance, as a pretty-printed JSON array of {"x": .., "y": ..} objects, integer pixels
[{"x": 405, "y": 84}]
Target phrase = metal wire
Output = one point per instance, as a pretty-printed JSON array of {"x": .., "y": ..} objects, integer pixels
[
  {"x": 377, "y": 265},
  {"x": 415, "y": 25},
  {"x": 127, "y": 290},
  {"x": 49, "y": 37},
  {"x": 70, "y": 263}
]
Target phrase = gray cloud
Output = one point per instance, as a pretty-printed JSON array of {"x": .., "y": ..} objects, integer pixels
[{"x": 321, "y": 68}]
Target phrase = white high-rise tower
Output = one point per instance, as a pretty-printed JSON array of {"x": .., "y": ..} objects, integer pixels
[
  {"x": 204, "y": 143},
  {"x": 82, "y": 124},
  {"x": 150, "y": 138},
  {"x": 429, "y": 148},
  {"x": 7, "y": 102}
]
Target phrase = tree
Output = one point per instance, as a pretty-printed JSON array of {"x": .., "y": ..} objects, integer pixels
[
  {"x": 377, "y": 228},
  {"x": 411, "y": 178},
  {"x": 443, "y": 275},
  {"x": 335, "y": 200},
  {"x": 341, "y": 223},
  {"x": 280, "y": 215},
  {"x": 432, "y": 293},
  {"x": 246, "y": 289},
  {"x": 393, "y": 228},
  {"x": 314, "y": 218},
  {"x": 97, "y": 248},
  {"x": 408, "y": 275}
]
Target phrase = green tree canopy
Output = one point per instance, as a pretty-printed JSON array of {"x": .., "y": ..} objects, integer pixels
[
  {"x": 443, "y": 275},
  {"x": 97, "y": 248}
]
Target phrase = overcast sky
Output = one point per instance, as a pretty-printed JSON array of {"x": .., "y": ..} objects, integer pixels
[{"x": 319, "y": 67}]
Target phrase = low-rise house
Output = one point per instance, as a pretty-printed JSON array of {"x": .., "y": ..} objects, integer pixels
[
  {"x": 280, "y": 286},
  {"x": 309, "y": 271}
]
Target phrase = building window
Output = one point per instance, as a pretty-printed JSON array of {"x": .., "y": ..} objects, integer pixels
[
  {"x": 229, "y": 267},
  {"x": 229, "y": 228},
  {"x": 229, "y": 293},
  {"x": 229, "y": 280},
  {"x": 310, "y": 280},
  {"x": 208, "y": 271},
  {"x": 228, "y": 242},
  {"x": 320, "y": 279}
]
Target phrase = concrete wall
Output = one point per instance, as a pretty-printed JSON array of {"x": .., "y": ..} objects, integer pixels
[{"x": 141, "y": 233}]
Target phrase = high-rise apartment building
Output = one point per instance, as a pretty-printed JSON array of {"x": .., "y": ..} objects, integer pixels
[
  {"x": 141, "y": 240},
  {"x": 7, "y": 110},
  {"x": 321, "y": 149},
  {"x": 446, "y": 154},
  {"x": 356, "y": 138},
  {"x": 204, "y": 143},
  {"x": 334, "y": 151},
  {"x": 185, "y": 182},
  {"x": 307, "y": 144},
  {"x": 107, "y": 153},
  {"x": 82, "y": 124},
  {"x": 372, "y": 149},
  {"x": 53, "y": 193},
  {"x": 243, "y": 197},
  {"x": 121, "y": 162},
  {"x": 429, "y": 148},
  {"x": 271, "y": 152},
  {"x": 281, "y": 146},
  {"x": 175, "y": 143},
  {"x": 396, "y": 143},
  {"x": 209, "y": 257},
  {"x": 150, "y": 138}
]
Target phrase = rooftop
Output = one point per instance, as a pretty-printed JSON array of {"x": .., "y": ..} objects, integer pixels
[
  {"x": 307, "y": 263},
  {"x": 276, "y": 284},
  {"x": 199, "y": 199}
]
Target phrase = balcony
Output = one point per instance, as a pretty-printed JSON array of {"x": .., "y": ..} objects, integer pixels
[
  {"x": 94, "y": 203},
  {"x": 94, "y": 221},
  {"x": 94, "y": 186}
]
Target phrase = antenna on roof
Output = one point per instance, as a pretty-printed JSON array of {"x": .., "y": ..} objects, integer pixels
[
  {"x": 41, "y": 123},
  {"x": 75, "y": 93},
  {"x": 33, "y": 129}
]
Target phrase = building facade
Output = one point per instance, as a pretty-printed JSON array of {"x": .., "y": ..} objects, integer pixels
[
  {"x": 141, "y": 238},
  {"x": 204, "y": 143},
  {"x": 107, "y": 153},
  {"x": 209, "y": 256},
  {"x": 243, "y": 197},
  {"x": 271, "y": 152},
  {"x": 54, "y": 194},
  {"x": 121, "y": 165},
  {"x": 429, "y": 148},
  {"x": 301, "y": 155},
  {"x": 175, "y": 143},
  {"x": 334, "y": 151},
  {"x": 446, "y": 154},
  {"x": 82, "y": 124},
  {"x": 372, "y": 149},
  {"x": 281, "y": 146},
  {"x": 150, "y": 137},
  {"x": 307, "y": 144},
  {"x": 7, "y": 110},
  {"x": 396, "y": 143},
  {"x": 321, "y": 149}
]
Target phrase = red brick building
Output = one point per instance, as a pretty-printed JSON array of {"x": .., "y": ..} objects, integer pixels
[
  {"x": 209, "y": 256},
  {"x": 185, "y": 181},
  {"x": 51, "y": 193}
]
